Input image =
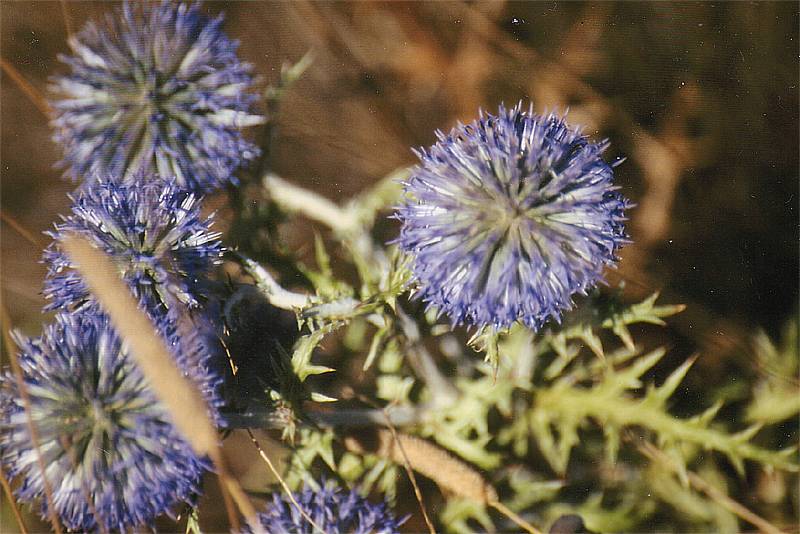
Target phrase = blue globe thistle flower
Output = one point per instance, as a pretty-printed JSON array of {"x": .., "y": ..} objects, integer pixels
[
  {"x": 154, "y": 232},
  {"x": 159, "y": 89},
  {"x": 508, "y": 217},
  {"x": 101, "y": 431},
  {"x": 332, "y": 509}
]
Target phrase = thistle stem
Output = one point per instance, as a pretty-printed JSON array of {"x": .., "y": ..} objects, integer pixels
[
  {"x": 276, "y": 295},
  {"x": 297, "y": 199},
  {"x": 397, "y": 416}
]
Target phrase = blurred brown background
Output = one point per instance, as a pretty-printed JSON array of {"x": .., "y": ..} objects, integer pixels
[{"x": 701, "y": 98}]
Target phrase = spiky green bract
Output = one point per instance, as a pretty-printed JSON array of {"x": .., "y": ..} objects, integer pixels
[
  {"x": 158, "y": 88},
  {"x": 507, "y": 218},
  {"x": 333, "y": 509},
  {"x": 114, "y": 461},
  {"x": 154, "y": 232}
]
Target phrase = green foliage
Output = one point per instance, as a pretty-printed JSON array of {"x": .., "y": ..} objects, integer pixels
[
  {"x": 777, "y": 395},
  {"x": 574, "y": 401}
]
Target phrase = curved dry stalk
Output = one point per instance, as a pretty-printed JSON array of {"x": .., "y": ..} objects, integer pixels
[
  {"x": 285, "y": 487},
  {"x": 12, "y": 502},
  {"x": 406, "y": 464},
  {"x": 450, "y": 473},
  {"x": 21, "y": 230},
  {"x": 426, "y": 458},
  {"x": 180, "y": 397},
  {"x": 16, "y": 370},
  {"x": 25, "y": 86},
  {"x": 656, "y": 455}
]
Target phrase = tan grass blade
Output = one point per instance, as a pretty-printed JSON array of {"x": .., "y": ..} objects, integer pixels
[{"x": 184, "y": 402}]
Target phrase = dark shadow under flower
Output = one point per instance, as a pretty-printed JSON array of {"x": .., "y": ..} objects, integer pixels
[
  {"x": 154, "y": 232},
  {"x": 333, "y": 510},
  {"x": 160, "y": 89},
  {"x": 102, "y": 433},
  {"x": 507, "y": 218}
]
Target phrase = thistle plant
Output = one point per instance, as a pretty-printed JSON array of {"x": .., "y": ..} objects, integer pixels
[
  {"x": 510, "y": 216},
  {"x": 152, "y": 228},
  {"x": 113, "y": 459},
  {"x": 521, "y": 393},
  {"x": 157, "y": 89}
]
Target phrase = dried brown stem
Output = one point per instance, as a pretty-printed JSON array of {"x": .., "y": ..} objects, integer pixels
[
  {"x": 656, "y": 455},
  {"x": 12, "y": 502},
  {"x": 283, "y": 484},
  {"x": 406, "y": 463},
  {"x": 448, "y": 472},
  {"x": 179, "y": 395},
  {"x": 11, "y": 349},
  {"x": 30, "y": 91},
  {"x": 21, "y": 230}
]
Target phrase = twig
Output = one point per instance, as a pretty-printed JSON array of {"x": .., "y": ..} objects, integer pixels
[
  {"x": 398, "y": 417},
  {"x": 406, "y": 463},
  {"x": 32, "y": 429},
  {"x": 12, "y": 501},
  {"x": 654, "y": 454},
  {"x": 21, "y": 230},
  {"x": 316, "y": 207},
  {"x": 283, "y": 482},
  {"x": 503, "y": 509},
  {"x": 30, "y": 91},
  {"x": 443, "y": 391},
  {"x": 276, "y": 295},
  {"x": 67, "y": 21}
]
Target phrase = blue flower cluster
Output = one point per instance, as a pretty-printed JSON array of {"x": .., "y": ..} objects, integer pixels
[
  {"x": 158, "y": 89},
  {"x": 332, "y": 509},
  {"x": 153, "y": 230},
  {"x": 101, "y": 432},
  {"x": 507, "y": 218},
  {"x": 150, "y": 118}
]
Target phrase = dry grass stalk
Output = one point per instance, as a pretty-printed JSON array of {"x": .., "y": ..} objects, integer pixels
[
  {"x": 695, "y": 480},
  {"x": 12, "y": 502},
  {"x": 410, "y": 473},
  {"x": 21, "y": 230},
  {"x": 30, "y": 91},
  {"x": 285, "y": 487},
  {"x": 181, "y": 398},
  {"x": 448, "y": 472},
  {"x": 16, "y": 370},
  {"x": 184, "y": 402}
]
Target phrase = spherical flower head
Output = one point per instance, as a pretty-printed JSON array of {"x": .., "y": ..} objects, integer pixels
[
  {"x": 112, "y": 457},
  {"x": 153, "y": 231},
  {"x": 332, "y": 509},
  {"x": 507, "y": 218},
  {"x": 159, "y": 88}
]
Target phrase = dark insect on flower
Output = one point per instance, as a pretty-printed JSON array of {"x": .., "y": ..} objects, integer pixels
[
  {"x": 508, "y": 217},
  {"x": 159, "y": 89},
  {"x": 332, "y": 509},
  {"x": 113, "y": 459},
  {"x": 154, "y": 232}
]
